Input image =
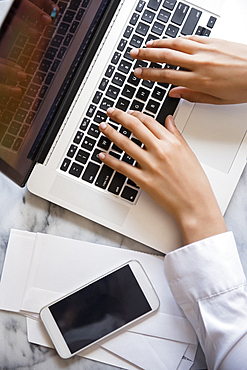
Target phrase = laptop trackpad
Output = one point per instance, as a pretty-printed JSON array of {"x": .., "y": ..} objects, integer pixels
[{"x": 215, "y": 133}]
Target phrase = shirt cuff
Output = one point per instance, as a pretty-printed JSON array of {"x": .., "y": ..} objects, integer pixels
[{"x": 205, "y": 268}]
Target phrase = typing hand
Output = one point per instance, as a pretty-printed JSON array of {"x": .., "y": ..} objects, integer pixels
[
  {"x": 214, "y": 69},
  {"x": 168, "y": 171},
  {"x": 10, "y": 70}
]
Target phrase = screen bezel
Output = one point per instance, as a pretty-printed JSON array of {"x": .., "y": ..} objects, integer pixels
[{"x": 56, "y": 335}]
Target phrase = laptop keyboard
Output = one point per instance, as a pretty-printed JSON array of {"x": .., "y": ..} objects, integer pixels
[
  {"x": 120, "y": 88},
  {"x": 40, "y": 57}
]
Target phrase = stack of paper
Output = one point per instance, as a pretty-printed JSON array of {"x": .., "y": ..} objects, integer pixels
[{"x": 40, "y": 268}]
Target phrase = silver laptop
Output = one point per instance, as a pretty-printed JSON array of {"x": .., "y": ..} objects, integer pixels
[{"x": 77, "y": 67}]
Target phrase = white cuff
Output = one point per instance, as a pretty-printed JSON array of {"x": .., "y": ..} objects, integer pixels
[{"x": 214, "y": 262}]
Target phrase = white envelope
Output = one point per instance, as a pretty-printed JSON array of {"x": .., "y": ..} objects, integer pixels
[{"x": 47, "y": 267}]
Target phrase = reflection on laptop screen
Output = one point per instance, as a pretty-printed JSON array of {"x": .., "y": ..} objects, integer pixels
[{"x": 45, "y": 47}]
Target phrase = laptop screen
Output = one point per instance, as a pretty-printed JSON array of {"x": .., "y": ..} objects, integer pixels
[{"x": 42, "y": 44}]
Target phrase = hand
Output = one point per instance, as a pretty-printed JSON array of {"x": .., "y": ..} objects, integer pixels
[
  {"x": 12, "y": 71},
  {"x": 214, "y": 69},
  {"x": 168, "y": 171}
]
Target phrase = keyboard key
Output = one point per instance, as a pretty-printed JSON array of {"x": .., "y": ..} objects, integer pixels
[
  {"x": 121, "y": 45},
  {"x": 172, "y": 30},
  {"x": 61, "y": 52},
  {"x": 3, "y": 128},
  {"x": 88, "y": 143},
  {"x": 78, "y": 137},
  {"x": 57, "y": 41},
  {"x": 73, "y": 27},
  {"x": 115, "y": 58},
  {"x": 112, "y": 92},
  {"x": 13, "y": 105},
  {"x": 152, "y": 106},
  {"x": 55, "y": 65},
  {"x": 158, "y": 28},
  {"x": 180, "y": 13},
  {"x": 20, "y": 115},
  {"x": 158, "y": 93},
  {"x": 71, "y": 151},
  {"x": 91, "y": 110},
  {"x": 104, "y": 143},
  {"x": 127, "y": 54},
  {"x": 105, "y": 104},
  {"x": 103, "y": 84},
  {"x": 134, "y": 19},
  {"x": 8, "y": 141},
  {"x": 151, "y": 38},
  {"x": 168, "y": 107},
  {"x": 63, "y": 28},
  {"x": 122, "y": 104},
  {"x": 109, "y": 71},
  {"x": 69, "y": 16},
  {"x": 76, "y": 170},
  {"x": 51, "y": 53},
  {"x": 14, "y": 128},
  {"x": 118, "y": 79},
  {"x": 133, "y": 79},
  {"x": 129, "y": 194},
  {"x": 154, "y": 4},
  {"x": 117, "y": 183},
  {"x": 97, "y": 97},
  {"x": 147, "y": 83},
  {"x": 100, "y": 117},
  {"x": 148, "y": 16},
  {"x": 136, "y": 105},
  {"x": 82, "y": 156},
  {"x": 45, "y": 65},
  {"x": 49, "y": 78},
  {"x": 74, "y": 4},
  {"x": 170, "y": 4},
  {"x": 90, "y": 172},
  {"x": 84, "y": 124},
  {"x": 191, "y": 22},
  {"x": 17, "y": 144},
  {"x": 130, "y": 182},
  {"x": 211, "y": 22},
  {"x": 104, "y": 177},
  {"x": 65, "y": 164},
  {"x": 80, "y": 14},
  {"x": 24, "y": 130},
  {"x": 140, "y": 6},
  {"x": 142, "y": 94},
  {"x": 142, "y": 28},
  {"x": 94, "y": 130},
  {"x": 124, "y": 66},
  {"x": 128, "y": 159},
  {"x": 124, "y": 131},
  {"x": 164, "y": 16},
  {"x": 128, "y": 32},
  {"x": 136, "y": 41},
  {"x": 128, "y": 91},
  {"x": 95, "y": 156}
]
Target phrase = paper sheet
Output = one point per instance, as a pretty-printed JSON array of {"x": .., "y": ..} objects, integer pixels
[{"x": 54, "y": 266}]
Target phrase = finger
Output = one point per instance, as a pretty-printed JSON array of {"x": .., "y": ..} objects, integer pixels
[
  {"x": 127, "y": 170},
  {"x": 163, "y": 55},
  {"x": 10, "y": 91},
  {"x": 172, "y": 128},
  {"x": 194, "y": 96},
  {"x": 185, "y": 44},
  {"x": 122, "y": 141},
  {"x": 12, "y": 73},
  {"x": 171, "y": 76},
  {"x": 153, "y": 126},
  {"x": 133, "y": 124}
]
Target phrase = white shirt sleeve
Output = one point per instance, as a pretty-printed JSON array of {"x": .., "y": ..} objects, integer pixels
[{"x": 208, "y": 282}]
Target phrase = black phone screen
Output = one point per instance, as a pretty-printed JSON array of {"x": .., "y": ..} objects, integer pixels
[{"x": 99, "y": 308}]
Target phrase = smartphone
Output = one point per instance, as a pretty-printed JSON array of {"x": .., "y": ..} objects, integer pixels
[{"x": 99, "y": 309}]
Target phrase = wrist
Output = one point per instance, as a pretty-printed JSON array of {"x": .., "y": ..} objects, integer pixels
[{"x": 202, "y": 224}]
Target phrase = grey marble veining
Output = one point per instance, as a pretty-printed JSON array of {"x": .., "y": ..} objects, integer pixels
[{"x": 21, "y": 210}]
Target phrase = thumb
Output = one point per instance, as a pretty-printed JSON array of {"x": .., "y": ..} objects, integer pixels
[
  {"x": 193, "y": 96},
  {"x": 170, "y": 126}
]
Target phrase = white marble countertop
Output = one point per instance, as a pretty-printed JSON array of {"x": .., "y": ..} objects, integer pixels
[{"x": 21, "y": 210}]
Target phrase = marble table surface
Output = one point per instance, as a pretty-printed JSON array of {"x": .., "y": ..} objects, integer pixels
[{"x": 21, "y": 210}]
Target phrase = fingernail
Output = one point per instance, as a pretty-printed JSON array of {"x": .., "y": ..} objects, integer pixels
[
  {"x": 101, "y": 156},
  {"x": 130, "y": 111},
  {"x": 149, "y": 43},
  {"x": 103, "y": 125},
  {"x": 134, "y": 52},
  {"x": 16, "y": 91},
  {"x": 45, "y": 19},
  {"x": 178, "y": 96},
  {"x": 21, "y": 75},
  {"x": 138, "y": 72},
  {"x": 110, "y": 110}
]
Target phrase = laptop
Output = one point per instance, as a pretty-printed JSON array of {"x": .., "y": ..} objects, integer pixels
[{"x": 76, "y": 67}]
